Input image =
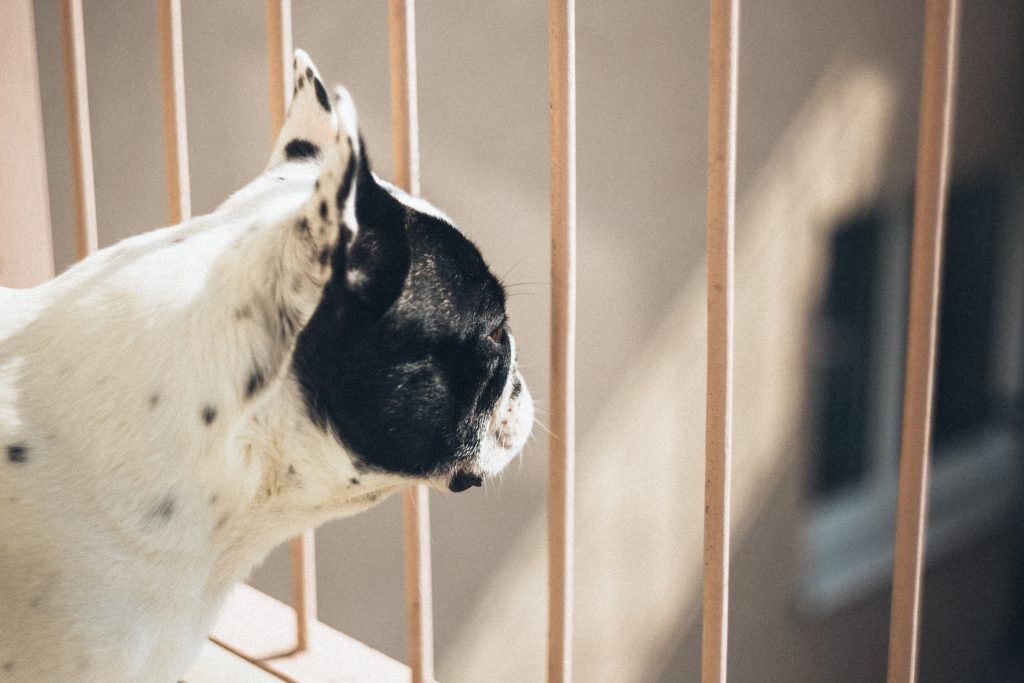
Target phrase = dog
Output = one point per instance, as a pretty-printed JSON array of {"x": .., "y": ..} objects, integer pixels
[{"x": 176, "y": 405}]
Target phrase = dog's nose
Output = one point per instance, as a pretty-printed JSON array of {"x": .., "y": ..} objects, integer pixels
[{"x": 463, "y": 479}]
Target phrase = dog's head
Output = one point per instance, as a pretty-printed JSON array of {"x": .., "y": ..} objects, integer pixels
[{"x": 408, "y": 359}]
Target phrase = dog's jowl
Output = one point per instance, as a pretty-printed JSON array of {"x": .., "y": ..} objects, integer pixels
[{"x": 174, "y": 406}]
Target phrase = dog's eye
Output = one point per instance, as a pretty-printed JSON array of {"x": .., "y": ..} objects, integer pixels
[{"x": 498, "y": 335}]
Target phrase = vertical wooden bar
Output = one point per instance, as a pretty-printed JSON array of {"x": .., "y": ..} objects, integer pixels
[
  {"x": 172, "y": 89},
  {"x": 404, "y": 110},
  {"x": 416, "y": 502},
  {"x": 279, "y": 58},
  {"x": 77, "y": 95},
  {"x": 561, "y": 488},
  {"x": 303, "y": 566},
  {"x": 935, "y": 131},
  {"x": 722, "y": 97},
  {"x": 26, "y": 246}
]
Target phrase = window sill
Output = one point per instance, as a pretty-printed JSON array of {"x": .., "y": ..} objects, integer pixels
[{"x": 848, "y": 540}]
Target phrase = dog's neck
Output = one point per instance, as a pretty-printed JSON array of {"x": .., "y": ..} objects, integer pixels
[{"x": 282, "y": 474}]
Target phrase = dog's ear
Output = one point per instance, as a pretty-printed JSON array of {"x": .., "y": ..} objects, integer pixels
[
  {"x": 310, "y": 126},
  {"x": 359, "y": 225}
]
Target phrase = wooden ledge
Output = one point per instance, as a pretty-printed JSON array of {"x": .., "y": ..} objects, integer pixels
[{"x": 261, "y": 630}]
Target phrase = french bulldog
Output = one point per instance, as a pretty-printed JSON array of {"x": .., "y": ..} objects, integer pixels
[{"x": 178, "y": 404}]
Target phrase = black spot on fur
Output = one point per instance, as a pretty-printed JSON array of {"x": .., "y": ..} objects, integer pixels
[
  {"x": 517, "y": 388},
  {"x": 309, "y": 73},
  {"x": 287, "y": 324},
  {"x": 17, "y": 452},
  {"x": 255, "y": 383},
  {"x": 300, "y": 149},
  {"x": 323, "y": 210},
  {"x": 321, "y": 95},
  {"x": 291, "y": 470},
  {"x": 164, "y": 510},
  {"x": 153, "y": 400},
  {"x": 302, "y": 82},
  {"x": 354, "y": 481},
  {"x": 303, "y": 226},
  {"x": 209, "y": 414},
  {"x": 324, "y": 255}
]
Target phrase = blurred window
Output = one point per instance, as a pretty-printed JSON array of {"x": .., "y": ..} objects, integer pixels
[{"x": 859, "y": 345}]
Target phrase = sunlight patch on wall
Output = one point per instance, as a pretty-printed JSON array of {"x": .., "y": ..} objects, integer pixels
[{"x": 640, "y": 470}]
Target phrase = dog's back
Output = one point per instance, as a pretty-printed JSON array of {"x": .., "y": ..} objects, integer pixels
[{"x": 92, "y": 553}]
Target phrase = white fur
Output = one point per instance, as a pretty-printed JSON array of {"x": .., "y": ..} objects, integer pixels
[{"x": 131, "y": 517}]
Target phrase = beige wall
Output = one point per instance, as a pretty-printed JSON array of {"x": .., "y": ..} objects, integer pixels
[{"x": 483, "y": 113}]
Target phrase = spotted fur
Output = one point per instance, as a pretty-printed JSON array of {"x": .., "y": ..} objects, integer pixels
[{"x": 176, "y": 405}]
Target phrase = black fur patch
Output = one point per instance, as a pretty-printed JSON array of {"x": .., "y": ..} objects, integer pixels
[
  {"x": 300, "y": 149},
  {"x": 321, "y": 95},
  {"x": 401, "y": 368},
  {"x": 17, "y": 453},
  {"x": 209, "y": 414},
  {"x": 346, "y": 180}
]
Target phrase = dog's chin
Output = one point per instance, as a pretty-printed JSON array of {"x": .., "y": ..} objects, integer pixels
[{"x": 502, "y": 438}]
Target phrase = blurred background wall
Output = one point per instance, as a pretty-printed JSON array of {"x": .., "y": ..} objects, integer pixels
[{"x": 827, "y": 130}]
